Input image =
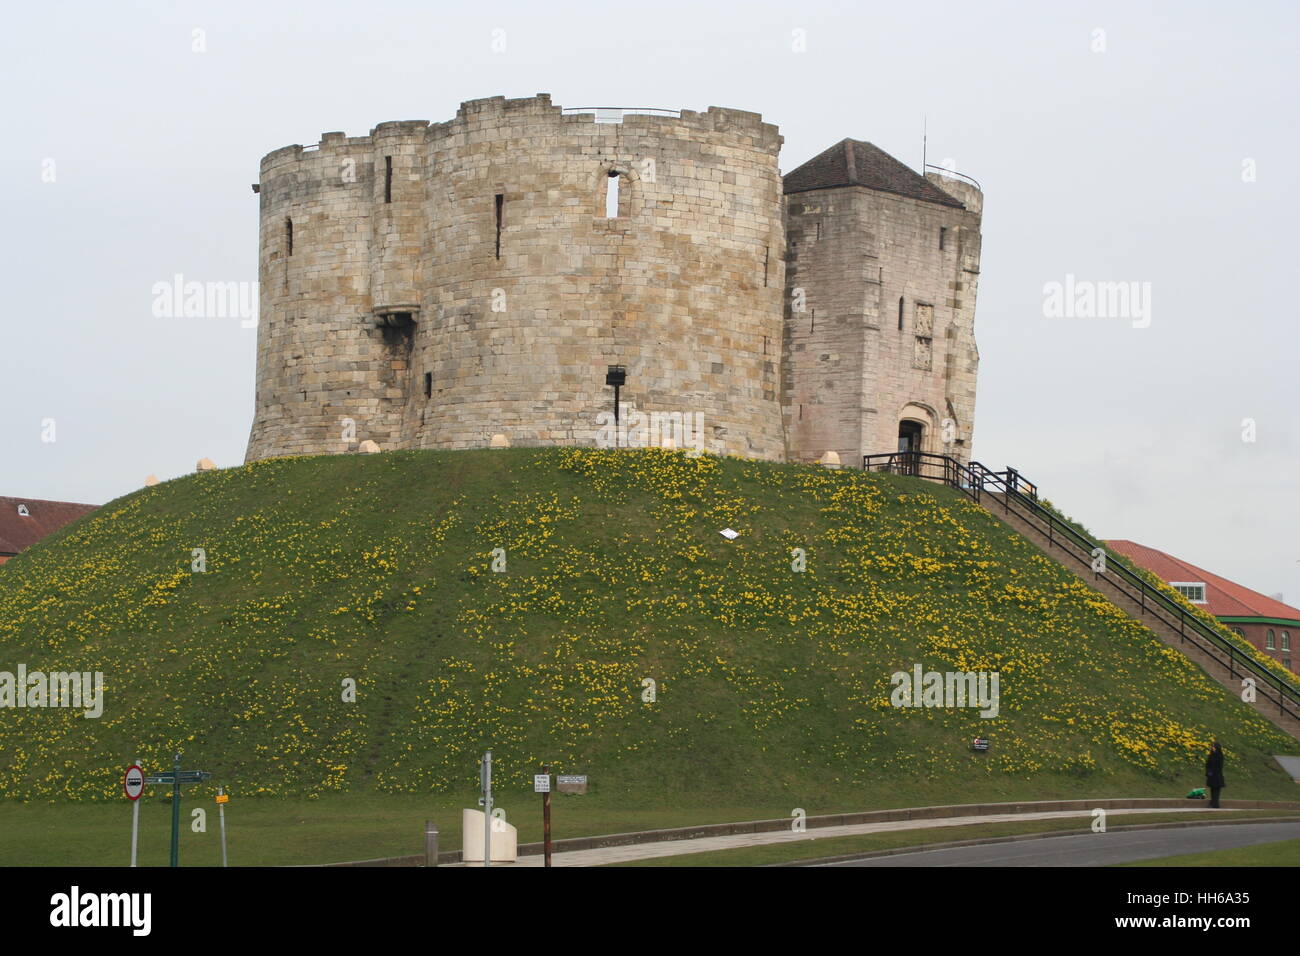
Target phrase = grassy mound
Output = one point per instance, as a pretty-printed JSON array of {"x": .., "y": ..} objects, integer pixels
[{"x": 768, "y": 681}]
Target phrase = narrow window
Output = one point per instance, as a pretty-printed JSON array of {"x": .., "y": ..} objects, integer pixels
[
  {"x": 819, "y": 229},
  {"x": 501, "y": 206},
  {"x": 1286, "y": 640},
  {"x": 611, "y": 196},
  {"x": 1269, "y": 642},
  {"x": 943, "y": 235},
  {"x": 766, "y": 251},
  {"x": 288, "y": 236},
  {"x": 812, "y": 327},
  {"x": 900, "y": 312},
  {"x": 388, "y": 179},
  {"x": 428, "y": 385},
  {"x": 765, "y": 345}
]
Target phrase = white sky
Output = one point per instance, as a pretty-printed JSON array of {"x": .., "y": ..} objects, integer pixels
[{"x": 1110, "y": 166}]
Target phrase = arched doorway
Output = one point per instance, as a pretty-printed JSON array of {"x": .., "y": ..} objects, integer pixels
[{"x": 911, "y": 439}]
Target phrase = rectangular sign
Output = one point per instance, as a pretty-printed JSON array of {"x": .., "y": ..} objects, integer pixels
[
  {"x": 186, "y": 776},
  {"x": 541, "y": 783},
  {"x": 572, "y": 783}
]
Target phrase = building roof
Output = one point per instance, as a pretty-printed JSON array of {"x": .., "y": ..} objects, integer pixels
[
  {"x": 19, "y": 531},
  {"x": 1223, "y": 598},
  {"x": 852, "y": 162}
]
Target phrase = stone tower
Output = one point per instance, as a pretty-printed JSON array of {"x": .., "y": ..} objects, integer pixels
[
  {"x": 429, "y": 285},
  {"x": 882, "y": 266}
]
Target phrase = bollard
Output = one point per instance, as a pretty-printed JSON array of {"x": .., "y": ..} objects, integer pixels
[{"x": 430, "y": 843}]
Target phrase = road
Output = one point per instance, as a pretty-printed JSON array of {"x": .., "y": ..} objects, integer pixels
[{"x": 1095, "y": 849}]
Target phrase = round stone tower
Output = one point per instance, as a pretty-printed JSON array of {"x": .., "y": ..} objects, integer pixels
[{"x": 428, "y": 286}]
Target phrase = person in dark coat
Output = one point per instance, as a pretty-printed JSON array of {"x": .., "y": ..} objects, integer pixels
[{"x": 1214, "y": 772}]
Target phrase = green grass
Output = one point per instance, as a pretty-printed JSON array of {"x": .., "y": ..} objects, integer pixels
[
  {"x": 286, "y": 831},
  {"x": 773, "y": 687},
  {"x": 1281, "y": 853},
  {"x": 820, "y": 847}
]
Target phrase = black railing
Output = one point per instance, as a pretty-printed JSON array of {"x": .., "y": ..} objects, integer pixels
[
  {"x": 952, "y": 172},
  {"x": 1021, "y": 495}
]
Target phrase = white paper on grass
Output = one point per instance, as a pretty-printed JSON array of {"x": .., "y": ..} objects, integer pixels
[{"x": 729, "y": 534}]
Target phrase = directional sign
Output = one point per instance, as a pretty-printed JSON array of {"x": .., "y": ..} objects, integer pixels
[
  {"x": 185, "y": 776},
  {"x": 133, "y": 782}
]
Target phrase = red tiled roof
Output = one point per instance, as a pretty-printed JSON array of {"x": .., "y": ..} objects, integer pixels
[
  {"x": 18, "y": 531},
  {"x": 851, "y": 162},
  {"x": 1223, "y": 598}
]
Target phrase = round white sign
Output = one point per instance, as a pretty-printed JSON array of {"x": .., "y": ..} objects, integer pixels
[{"x": 133, "y": 782}]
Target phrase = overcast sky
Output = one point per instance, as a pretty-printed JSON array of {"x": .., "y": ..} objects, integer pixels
[{"x": 1115, "y": 142}]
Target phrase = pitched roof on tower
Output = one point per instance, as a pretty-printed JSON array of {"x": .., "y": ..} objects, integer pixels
[
  {"x": 851, "y": 162},
  {"x": 1223, "y": 598}
]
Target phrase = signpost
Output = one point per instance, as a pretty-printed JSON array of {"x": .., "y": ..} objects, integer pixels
[
  {"x": 485, "y": 778},
  {"x": 133, "y": 787},
  {"x": 176, "y": 776},
  {"x": 222, "y": 800},
  {"x": 979, "y": 743},
  {"x": 542, "y": 785}
]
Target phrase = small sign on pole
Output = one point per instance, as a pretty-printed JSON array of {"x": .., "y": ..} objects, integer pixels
[
  {"x": 222, "y": 800},
  {"x": 133, "y": 782},
  {"x": 133, "y": 787},
  {"x": 542, "y": 785}
]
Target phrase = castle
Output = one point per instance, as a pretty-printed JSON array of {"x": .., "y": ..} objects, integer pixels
[{"x": 433, "y": 285}]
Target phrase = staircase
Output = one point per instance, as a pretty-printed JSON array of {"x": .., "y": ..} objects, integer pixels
[{"x": 1012, "y": 499}]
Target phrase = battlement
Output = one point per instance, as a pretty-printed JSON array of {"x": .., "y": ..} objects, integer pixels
[{"x": 490, "y": 111}]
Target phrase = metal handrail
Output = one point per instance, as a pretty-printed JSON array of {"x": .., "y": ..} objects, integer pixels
[
  {"x": 621, "y": 110},
  {"x": 953, "y": 172},
  {"x": 1150, "y": 599}
]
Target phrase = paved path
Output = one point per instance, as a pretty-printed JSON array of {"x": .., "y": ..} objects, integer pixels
[
  {"x": 645, "y": 851},
  {"x": 1095, "y": 849}
]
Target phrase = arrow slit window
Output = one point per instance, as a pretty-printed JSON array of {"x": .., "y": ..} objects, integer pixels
[{"x": 612, "y": 195}]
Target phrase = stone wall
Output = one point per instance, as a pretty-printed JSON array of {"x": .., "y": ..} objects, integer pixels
[
  {"x": 403, "y": 309},
  {"x": 455, "y": 280},
  {"x": 855, "y": 365}
]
